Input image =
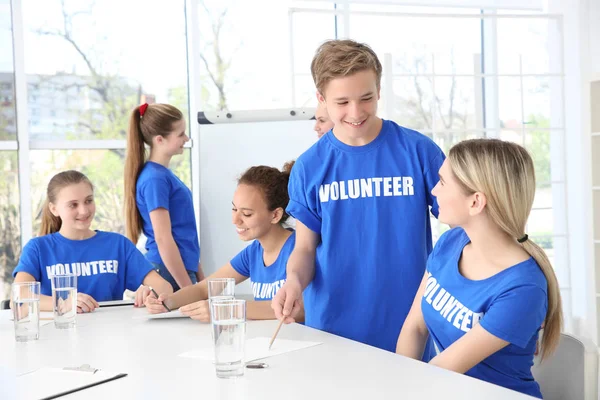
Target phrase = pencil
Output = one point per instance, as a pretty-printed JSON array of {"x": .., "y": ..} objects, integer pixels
[
  {"x": 156, "y": 294},
  {"x": 276, "y": 332}
]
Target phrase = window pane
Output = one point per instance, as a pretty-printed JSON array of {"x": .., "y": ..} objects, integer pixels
[
  {"x": 455, "y": 104},
  {"x": 413, "y": 102},
  {"x": 543, "y": 102},
  {"x": 453, "y": 52},
  {"x": 526, "y": 43},
  {"x": 310, "y": 30},
  {"x": 104, "y": 168},
  {"x": 245, "y": 54},
  {"x": 10, "y": 229},
  {"x": 540, "y": 223},
  {"x": 88, "y": 66},
  {"x": 538, "y": 144},
  {"x": 510, "y": 106},
  {"x": 8, "y": 123}
]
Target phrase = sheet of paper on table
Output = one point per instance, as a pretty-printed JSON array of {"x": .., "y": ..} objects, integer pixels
[
  {"x": 256, "y": 349},
  {"x": 48, "y": 382}
]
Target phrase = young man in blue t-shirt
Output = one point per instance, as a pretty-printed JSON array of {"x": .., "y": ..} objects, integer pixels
[{"x": 361, "y": 197}]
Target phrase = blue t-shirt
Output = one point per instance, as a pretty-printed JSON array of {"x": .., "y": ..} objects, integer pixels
[
  {"x": 510, "y": 305},
  {"x": 370, "y": 204},
  {"x": 266, "y": 280},
  {"x": 106, "y": 264},
  {"x": 158, "y": 187}
]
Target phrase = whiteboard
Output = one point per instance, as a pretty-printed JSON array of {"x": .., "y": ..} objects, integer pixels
[{"x": 226, "y": 151}]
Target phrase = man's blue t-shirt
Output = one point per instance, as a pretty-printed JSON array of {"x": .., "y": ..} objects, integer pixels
[
  {"x": 106, "y": 264},
  {"x": 370, "y": 204},
  {"x": 158, "y": 187},
  {"x": 266, "y": 280},
  {"x": 510, "y": 305}
]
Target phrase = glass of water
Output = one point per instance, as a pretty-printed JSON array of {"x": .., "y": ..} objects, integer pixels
[
  {"x": 229, "y": 336},
  {"x": 26, "y": 310},
  {"x": 221, "y": 288},
  {"x": 64, "y": 300}
]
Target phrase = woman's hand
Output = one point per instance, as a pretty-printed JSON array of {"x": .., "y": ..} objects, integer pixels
[
  {"x": 141, "y": 294},
  {"x": 154, "y": 305},
  {"x": 86, "y": 303},
  {"x": 199, "y": 310}
]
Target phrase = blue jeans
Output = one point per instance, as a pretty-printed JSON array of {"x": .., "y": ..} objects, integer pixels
[{"x": 166, "y": 275}]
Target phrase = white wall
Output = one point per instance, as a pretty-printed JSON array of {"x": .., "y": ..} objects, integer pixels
[
  {"x": 581, "y": 49},
  {"x": 226, "y": 151}
]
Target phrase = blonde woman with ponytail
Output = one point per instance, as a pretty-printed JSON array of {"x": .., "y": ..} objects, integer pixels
[
  {"x": 157, "y": 202},
  {"x": 488, "y": 288},
  {"x": 105, "y": 263}
]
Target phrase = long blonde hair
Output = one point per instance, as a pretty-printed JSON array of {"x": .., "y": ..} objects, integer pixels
[
  {"x": 158, "y": 119},
  {"x": 504, "y": 172},
  {"x": 50, "y": 223}
]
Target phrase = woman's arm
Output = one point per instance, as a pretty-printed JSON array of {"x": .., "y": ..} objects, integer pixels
[
  {"x": 255, "y": 310},
  {"x": 85, "y": 302},
  {"x": 468, "y": 351},
  {"x": 192, "y": 293},
  {"x": 155, "y": 281},
  {"x": 167, "y": 248},
  {"x": 259, "y": 310},
  {"x": 45, "y": 301},
  {"x": 514, "y": 317},
  {"x": 200, "y": 274},
  {"x": 413, "y": 336}
]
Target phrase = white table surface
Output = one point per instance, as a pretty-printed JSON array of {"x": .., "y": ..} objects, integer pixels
[{"x": 113, "y": 339}]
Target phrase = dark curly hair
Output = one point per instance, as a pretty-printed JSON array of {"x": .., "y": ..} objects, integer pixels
[{"x": 273, "y": 183}]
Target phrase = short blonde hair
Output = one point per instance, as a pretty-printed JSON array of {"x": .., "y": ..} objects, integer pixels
[{"x": 341, "y": 58}]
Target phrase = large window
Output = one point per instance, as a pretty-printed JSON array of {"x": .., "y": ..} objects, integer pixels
[
  {"x": 86, "y": 66},
  {"x": 10, "y": 229}
]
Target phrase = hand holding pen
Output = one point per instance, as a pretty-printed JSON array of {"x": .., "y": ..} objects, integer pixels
[{"x": 156, "y": 305}]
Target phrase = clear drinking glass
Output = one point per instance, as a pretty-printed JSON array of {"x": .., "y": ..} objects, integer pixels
[
  {"x": 64, "y": 300},
  {"x": 229, "y": 336},
  {"x": 26, "y": 310},
  {"x": 221, "y": 288}
]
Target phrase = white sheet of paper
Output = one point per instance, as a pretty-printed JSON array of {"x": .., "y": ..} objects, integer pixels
[
  {"x": 172, "y": 314},
  {"x": 45, "y": 382},
  {"x": 256, "y": 349}
]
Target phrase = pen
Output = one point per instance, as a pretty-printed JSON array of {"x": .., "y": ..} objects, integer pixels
[{"x": 163, "y": 303}]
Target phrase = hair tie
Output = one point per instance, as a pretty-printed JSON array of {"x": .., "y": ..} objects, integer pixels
[
  {"x": 143, "y": 109},
  {"x": 523, "y": 239}
]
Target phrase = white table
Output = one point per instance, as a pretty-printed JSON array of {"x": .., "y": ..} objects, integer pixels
[{"x": 114, "y": 340}]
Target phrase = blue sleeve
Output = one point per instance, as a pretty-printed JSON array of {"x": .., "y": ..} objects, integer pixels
[
  {"x": 136, "y": 265},
  {"x": 241, "y": 262},
  {"x": 517, "y": 314},
  {"x": 432, "y": 177},
  {"x": 29, "y": 261},
  {"x": 301, "y": 206},
  {"x": 156, "y": 193}
]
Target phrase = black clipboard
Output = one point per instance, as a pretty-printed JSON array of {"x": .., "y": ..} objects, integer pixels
[{"x": 112, "y": 378}]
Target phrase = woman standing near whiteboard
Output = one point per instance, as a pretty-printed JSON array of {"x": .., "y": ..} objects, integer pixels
[{"x": 157, "y": 202}]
